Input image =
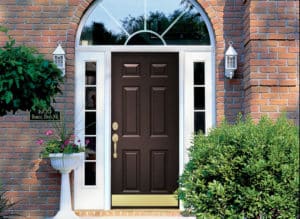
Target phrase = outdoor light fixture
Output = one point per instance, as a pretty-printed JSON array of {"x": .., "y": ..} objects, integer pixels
[
  {"x": 230, "y": 61},
  {"x": 59, "y": 58}
]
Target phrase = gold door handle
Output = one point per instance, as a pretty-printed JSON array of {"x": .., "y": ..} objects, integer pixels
[{"x": 115, "y": 139}]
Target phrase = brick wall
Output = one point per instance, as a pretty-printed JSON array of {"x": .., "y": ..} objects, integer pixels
[
  {"x": 271, "y": 70},
  {"x": 265, "y": 34},
  {"x": 29, "y": 180}
]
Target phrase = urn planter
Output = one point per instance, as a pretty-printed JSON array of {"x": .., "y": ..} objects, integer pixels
[{"x": 65, "y": 163}]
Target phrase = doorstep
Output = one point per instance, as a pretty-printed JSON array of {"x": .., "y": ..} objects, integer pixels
[
  {"x": 133, "y": 213},
  {"x": 138, "y": 217}
]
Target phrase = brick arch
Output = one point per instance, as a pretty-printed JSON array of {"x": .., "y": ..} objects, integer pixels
[
  {"x": 79, "y": 12},
  {"x": 214, "y": 18}
]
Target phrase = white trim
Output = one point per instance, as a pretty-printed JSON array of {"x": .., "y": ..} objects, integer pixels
[
  {"x": 144, "y": 48},
  {"x": 90, "y": 196},
  {"x": 107, "y": 130},
  {"x": 186, "y": 119},
  {"x": 99, "y": 196},
  {"x": 145, "y": 31}
]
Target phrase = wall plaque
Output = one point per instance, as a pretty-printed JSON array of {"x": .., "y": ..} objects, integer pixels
[{"x": 45, "y": 115}]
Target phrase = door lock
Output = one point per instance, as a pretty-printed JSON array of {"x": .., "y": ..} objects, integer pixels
[{"x": 115, "y": 126}]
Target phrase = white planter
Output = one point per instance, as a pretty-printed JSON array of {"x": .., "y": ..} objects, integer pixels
[{"x": 65, "y": 163}]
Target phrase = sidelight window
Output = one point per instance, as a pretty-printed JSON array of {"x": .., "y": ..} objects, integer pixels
[
  {"x": 90, "y": 123},
  {"x": 199, "y": 96}
]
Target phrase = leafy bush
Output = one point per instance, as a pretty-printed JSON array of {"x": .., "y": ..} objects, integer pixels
[
  {"x": 244, "y": 170},
  {"x": 27, "y": 80}
]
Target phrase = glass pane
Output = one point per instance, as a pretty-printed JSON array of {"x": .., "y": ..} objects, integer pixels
[
  {"x": 111, "y": 25},
  {"x": 90, "y": 174},
  {"x": 199, "y": 121},
  {"x": 190, "y": 29},
  {"x": 90, "y": 123},
  {"x": 199, "y": 98},
  {"x": 124, "y": 11},
  {"x": 113, "y": 21},
  {"x": 159, "y": 14},
  {"x": 90, "y": 98},
  {"x": 90, "y": 150},
  {"x": 199, "y": 73},
  {"x": 145, "y": 39},
  {"x": 90, "y": 73}
]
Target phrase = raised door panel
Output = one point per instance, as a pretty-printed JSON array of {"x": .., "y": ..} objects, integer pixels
[
  {"x": 131, "y": 171},
  {"x": 158, "y": 118},
  {"x": 159, "y": 171},
  {"x": 131, "y": 111}
]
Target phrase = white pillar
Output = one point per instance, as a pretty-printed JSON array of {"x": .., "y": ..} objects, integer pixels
[{"x": 65, "y": 208}]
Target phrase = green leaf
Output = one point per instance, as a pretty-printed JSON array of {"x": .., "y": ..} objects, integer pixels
[
  {"x": 3, "y": 29},
  {"x": 8, "y": 96}
]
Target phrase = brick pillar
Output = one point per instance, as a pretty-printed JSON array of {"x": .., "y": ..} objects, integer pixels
[{"x": 271, "y": 72}]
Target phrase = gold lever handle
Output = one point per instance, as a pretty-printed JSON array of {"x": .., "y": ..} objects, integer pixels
[{"x": 115, "y": 139}]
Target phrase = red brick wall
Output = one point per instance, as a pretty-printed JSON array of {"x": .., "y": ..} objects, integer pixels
[
  {"x": 271, "y": 70},
  {"x": 264, "y": 33}
]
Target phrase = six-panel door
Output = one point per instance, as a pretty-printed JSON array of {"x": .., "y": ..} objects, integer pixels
[{"x": 145, "y": 105}]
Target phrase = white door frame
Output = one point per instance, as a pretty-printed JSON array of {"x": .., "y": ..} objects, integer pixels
[{"x": 99, "y": 196}]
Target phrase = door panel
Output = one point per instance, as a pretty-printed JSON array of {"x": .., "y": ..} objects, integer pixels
[
  {"x": 131, "y": 171},
  {"x": 131, "y": 111},
  {"x": 145, "y": 105},
  {"x": 158, "y": 117}
]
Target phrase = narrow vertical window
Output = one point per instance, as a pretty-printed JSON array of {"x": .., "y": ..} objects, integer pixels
[
  {"x": 199, "y": 96},
  {"x": 90, "y": 123}
]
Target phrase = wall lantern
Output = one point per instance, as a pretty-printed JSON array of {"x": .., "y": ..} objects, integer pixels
[
  {"x": 59, "y": 58},
  {"x": 230, "y": 61}
]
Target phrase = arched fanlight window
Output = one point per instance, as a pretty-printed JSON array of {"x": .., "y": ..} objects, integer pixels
[{"x": 145, "y": 22}]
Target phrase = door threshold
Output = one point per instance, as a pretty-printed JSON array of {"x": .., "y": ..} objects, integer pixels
[
  {"x": 127, "y": 213},
  {"x": 144, "y": 201},
  {"x": 139, "y": 217}
]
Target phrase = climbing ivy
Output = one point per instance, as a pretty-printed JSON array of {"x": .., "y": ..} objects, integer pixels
[{"x": 28, "y": 81}]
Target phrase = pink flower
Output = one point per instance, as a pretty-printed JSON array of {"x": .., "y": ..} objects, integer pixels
[
  {"x": 66, "y": 142},
  {"x": 40, "y": 141},
  {"x": 87, "y": 141},
  {"x": 49, "y": 132}
]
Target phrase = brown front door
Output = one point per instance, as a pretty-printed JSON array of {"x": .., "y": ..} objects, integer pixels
[{"x": 145, "y": 105}]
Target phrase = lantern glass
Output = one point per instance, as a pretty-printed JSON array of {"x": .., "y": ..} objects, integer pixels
[
  {"x": 59, "y": 61},
  {"x": 231, "y": 62}
]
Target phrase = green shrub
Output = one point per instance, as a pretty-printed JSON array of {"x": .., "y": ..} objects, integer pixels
[
  {"x": 27, "y": 80},
  {"x": 245, "y": 170}
]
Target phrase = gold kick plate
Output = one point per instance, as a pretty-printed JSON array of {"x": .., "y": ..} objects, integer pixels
[{"x": 144, "y": 201}]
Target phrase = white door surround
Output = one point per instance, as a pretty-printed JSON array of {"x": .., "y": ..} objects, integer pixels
[{"x": 98, "y": 197}]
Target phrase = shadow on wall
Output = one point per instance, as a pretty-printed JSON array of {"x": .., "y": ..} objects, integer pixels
[
  {"x": 233, "y": 31},
  {"x": 29, "y": 180}
]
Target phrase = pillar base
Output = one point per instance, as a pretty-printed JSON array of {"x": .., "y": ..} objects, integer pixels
[{"x": 65, "y": 215}]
